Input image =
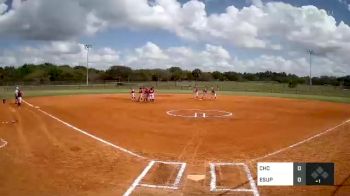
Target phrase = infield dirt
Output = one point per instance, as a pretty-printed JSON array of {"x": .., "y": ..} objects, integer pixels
[{"x": 45, "y": 157}]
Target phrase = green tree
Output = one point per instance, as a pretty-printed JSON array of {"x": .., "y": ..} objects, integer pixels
[
  {"x": 218, "y": 76},
  {"x": 196, "y": 73},
  {"x": 118, "y": 72},
  {"x": 176, "y": 73}
]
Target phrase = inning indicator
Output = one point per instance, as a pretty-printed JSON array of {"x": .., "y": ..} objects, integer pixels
[{"x": 294, "y": 174}]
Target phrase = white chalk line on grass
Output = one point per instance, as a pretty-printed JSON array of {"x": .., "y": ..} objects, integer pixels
[
  {"x": 88, "y": 134},
  {"x": 3, "y": 143},
  {"x": 213, "y": 181},
  {"x": 138, "y": 180},
  {"x": 301, "y": 142}
]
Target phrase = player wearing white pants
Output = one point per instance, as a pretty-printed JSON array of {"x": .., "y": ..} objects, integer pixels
[
  {"x": 151, "y": 94},
  {"x": 213, "y": 93},
  {"x": 133, "y": 96},
  {"x": 196, "y": 93},
  {"x": 18, "y": 96}
]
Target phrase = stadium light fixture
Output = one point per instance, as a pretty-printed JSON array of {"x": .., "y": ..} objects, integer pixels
[{"x": 87, "y": 47}]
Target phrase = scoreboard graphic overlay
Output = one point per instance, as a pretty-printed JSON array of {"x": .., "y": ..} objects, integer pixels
[{"x": 294, "y": 174}]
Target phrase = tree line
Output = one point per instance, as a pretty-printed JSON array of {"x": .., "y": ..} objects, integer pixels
[{"x": 49, "y": 73}]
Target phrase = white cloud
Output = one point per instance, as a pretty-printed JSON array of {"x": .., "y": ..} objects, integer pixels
[
  {"x": 3, "y": 7},
  {"x": 70, "y": 53},
  {"x": 214, "y": 57},
  {"x": 344, "y": 2},
  {"x": 272, "y": 26},
  {"x": 150, "y": 55},
  {"x": 44, "y": 20},
  {"x": 261, "y": 25}
]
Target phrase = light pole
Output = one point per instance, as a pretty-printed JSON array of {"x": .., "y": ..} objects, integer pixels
[
  {"x": 87, "y": 47},
  {"x": 311, "y": 52}
]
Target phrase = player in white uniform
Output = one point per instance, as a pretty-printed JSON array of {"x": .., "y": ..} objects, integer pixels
[
  {"x": 196, "y": 92},
  {"x": 205, "y": 92},
  {"x": 213, "y": 93},
  {"x": 133, "y": 96},
  {"x": 16, "y": 94},
  {"x": 151, "y": 94}
]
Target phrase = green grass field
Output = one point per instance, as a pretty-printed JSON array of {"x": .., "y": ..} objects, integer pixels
[{"x": 322, "y": 93}]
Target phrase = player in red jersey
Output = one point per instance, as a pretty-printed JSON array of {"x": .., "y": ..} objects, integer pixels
[
  {"x": 18, "y": 96},
  {"x": 146, "y": 94}
]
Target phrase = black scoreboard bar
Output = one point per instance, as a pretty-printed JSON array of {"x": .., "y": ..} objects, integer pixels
[
  {"x": 295, "y": 174},
  {"x": 313, "y": 173}
]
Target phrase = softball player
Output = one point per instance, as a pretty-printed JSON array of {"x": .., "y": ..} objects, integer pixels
[
  {"x": 140, "y": 94},
  {"x": 133, "y": 96},
  {"x": 151, "y": 94},
  {"x": 205, "y": 91},
  {"x": 196, "y": 92},
  {"x": 213, "y": 93}
]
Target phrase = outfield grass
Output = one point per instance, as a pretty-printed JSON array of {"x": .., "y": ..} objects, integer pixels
[
  {"x": 38, "y": 93},
  {"x": 268, "y": 89}
]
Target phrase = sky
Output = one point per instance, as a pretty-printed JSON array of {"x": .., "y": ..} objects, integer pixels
[{"x": 224, "y": 35}]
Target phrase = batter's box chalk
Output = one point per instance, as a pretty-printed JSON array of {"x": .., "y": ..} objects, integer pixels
[
  {"x": 156, "y": 174},
  {"x": 214, "y": 178}
]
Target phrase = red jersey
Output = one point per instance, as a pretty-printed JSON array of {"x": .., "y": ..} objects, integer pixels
[{"x": 20, "y": 94}]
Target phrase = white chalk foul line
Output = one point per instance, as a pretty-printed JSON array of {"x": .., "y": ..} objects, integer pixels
[
  {"x": 88, "y": 134},
  {"x": 3, "y": 143},
  {"x": 174, "y": 186},
  {"x": 301, "y": 142},
  {"x": 144, "y": 172},
  {"x": 213, "y": 180}
]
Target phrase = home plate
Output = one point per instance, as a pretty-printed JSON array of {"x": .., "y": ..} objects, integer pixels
[{"x": 196, "y": 177}]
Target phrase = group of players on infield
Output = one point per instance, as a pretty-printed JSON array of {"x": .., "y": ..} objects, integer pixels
[
  {"x": 148, "y": 94},
  {"x": 145, "y": 94},
  {"x": 204, "y": 93}
]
